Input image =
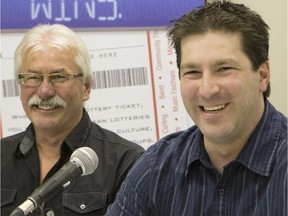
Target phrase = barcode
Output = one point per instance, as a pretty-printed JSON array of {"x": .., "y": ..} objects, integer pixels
[
  {"x": 120, "y": 78},
  {"x": 10, "y": 88},
  {"x": 101, "y": 79}
]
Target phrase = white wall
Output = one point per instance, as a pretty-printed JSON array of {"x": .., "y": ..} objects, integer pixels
[{"x": 274, "y": 13}]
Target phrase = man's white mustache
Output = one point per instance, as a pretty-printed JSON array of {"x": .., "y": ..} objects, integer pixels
[{"x": 54, "y": 101}]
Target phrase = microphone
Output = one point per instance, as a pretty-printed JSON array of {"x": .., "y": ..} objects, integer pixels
[{"x": 83, "y": 161}]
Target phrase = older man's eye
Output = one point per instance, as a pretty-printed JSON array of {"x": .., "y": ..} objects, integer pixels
[
  {"x": 33, "y": 77},
  {"x": 59, "y": 78}
]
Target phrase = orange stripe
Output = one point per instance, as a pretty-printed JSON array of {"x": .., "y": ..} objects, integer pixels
[{"x": 153, "y": 86}]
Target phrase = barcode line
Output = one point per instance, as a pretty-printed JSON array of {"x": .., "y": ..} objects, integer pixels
[{"x": 101, "y": 80}]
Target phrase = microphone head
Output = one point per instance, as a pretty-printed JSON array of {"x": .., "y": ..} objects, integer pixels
[{"x": 86, "y": 158}]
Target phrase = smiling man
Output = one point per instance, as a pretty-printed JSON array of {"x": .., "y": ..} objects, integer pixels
[
  {"x": 52, "y": 65},
  {"x": 233, "y": 161}
]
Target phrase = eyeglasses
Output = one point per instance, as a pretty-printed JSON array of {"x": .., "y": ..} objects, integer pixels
[{"x": 55, "y": 79}]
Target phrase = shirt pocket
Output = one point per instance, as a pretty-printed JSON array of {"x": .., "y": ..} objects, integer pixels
[
  {"x": 7, "y": 200},
  {"x": 85, "y": 203}
]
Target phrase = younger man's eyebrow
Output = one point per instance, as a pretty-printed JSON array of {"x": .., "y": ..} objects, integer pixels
[{"x": 225, "y": 61}]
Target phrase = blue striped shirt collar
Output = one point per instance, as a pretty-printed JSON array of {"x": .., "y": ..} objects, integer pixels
[{"x": 258, "y": 152}]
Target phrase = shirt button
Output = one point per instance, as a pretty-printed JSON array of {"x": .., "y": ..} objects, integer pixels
[
  {"x": 221, "y": 191},
  {"x": 83, "y": 206},
  {"x": 50, "y": 213}
]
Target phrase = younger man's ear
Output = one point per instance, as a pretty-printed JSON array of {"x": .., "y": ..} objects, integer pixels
[{"x": 264, "y": 72}]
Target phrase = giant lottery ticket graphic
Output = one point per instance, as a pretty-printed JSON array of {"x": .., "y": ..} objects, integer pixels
[{"x": 135, "y": 89}]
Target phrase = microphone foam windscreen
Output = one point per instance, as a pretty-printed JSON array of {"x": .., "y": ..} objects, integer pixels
[{"x": 86, "y": 158}]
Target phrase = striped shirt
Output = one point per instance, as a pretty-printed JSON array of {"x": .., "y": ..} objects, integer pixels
[{"x": 175, "y": 178}]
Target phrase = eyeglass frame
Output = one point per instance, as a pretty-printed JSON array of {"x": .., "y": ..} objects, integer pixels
[{"x": 21, "y": 78}]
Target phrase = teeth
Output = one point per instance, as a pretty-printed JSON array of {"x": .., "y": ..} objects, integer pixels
[
  {"x": 46, "y": 107},
  {"x": 214, "y": 108}
]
